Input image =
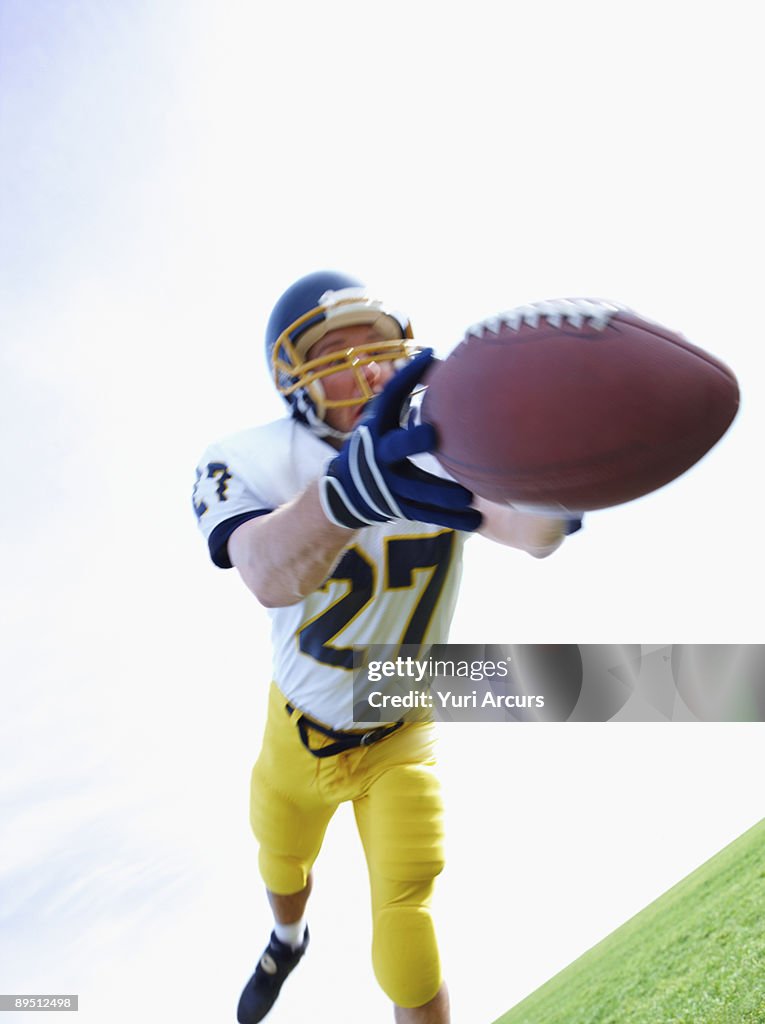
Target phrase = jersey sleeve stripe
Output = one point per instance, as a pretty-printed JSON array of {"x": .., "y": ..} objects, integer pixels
[{"x": 218, "y": 542}]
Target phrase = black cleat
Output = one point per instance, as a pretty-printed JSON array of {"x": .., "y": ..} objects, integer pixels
[{"x": 261, "y": 991}]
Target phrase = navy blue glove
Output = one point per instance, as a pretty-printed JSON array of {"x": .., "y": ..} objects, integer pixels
[{"x": 371, "y": 481}]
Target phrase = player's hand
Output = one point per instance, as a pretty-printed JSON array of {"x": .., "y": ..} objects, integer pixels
[
  {"x": 537, "y": 532},
  {"x": 371, "y": 481},
  {"x": 542, "y": 535}
]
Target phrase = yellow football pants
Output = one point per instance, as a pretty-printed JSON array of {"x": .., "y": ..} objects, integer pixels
[{"x": 397, "y": 803}]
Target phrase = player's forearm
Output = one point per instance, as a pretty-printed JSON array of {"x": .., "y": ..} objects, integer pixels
[{"x": 287, "y": 554}]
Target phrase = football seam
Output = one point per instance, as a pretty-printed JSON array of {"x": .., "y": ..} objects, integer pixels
[
  {"x": 680, "y": 342},
  {"x": 615, "y": 320}
]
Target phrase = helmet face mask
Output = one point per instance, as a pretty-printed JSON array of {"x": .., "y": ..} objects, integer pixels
[
  {"x": 308, "y": 374},
  {"x": 311, "y": 308}
]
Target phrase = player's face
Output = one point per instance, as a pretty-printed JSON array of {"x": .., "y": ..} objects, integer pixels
[{"x": 344, "y": 384}]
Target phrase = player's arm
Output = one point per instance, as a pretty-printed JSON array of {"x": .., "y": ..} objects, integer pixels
[
  {"x": 539, "y": 535},
  {"x": 287, "y": 554}
]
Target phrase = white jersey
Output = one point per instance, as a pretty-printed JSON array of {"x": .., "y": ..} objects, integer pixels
[{"x": 394, "y": 584}]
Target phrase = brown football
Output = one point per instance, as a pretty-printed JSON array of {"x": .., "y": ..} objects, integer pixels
[{"x": 578, "y": 403}]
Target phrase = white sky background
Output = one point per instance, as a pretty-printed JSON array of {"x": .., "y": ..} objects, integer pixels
[{"x": 167, "y": 169}]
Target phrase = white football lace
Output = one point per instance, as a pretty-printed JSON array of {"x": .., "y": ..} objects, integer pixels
[{"x": 574, "y": 312}]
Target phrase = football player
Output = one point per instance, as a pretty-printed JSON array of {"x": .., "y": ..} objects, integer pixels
[{"x": 327, "y": 519}]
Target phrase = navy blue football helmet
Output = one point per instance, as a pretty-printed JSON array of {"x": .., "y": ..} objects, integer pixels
[{"x": 314, "y": 305}]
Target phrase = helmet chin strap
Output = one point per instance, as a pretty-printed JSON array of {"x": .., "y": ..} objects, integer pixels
[
  {"x": 304, "y": 409},
  {"x": 322, "y": 429}
]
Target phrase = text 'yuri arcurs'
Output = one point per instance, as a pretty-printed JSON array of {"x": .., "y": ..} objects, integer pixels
[{"x": 455, "y": 701}]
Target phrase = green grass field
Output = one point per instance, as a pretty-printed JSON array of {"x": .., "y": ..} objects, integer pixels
[{"x": 694, "y": 956}]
